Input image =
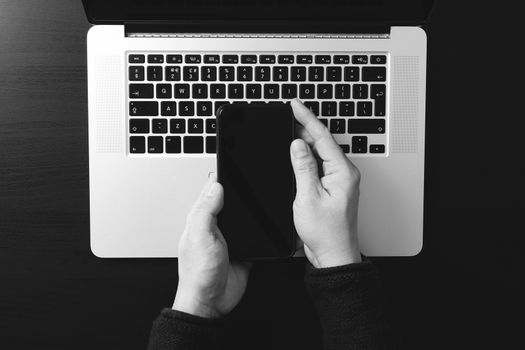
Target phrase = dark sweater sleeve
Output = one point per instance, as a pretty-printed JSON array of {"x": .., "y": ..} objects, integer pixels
[
  {"x": 177, "y": 330},
  {"x": 349, "y": 302}
]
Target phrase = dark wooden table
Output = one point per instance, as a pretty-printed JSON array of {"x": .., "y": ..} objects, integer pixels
[{"x": 461, "y": 292}]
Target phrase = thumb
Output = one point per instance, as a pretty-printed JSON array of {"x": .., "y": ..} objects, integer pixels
[
  {"x": 305, "y": 168},
  {"x": 208, "y": 205}
]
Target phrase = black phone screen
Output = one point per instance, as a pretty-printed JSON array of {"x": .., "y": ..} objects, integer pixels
[{"x": 253, "y": 166}]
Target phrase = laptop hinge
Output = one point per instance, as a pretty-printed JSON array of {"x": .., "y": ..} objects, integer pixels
[{"x": 275, "y": 29}]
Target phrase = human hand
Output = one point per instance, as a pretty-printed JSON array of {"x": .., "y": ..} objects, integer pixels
[
  {"x": 325, "y": 206},
  {"x": 209, "y": 284}
]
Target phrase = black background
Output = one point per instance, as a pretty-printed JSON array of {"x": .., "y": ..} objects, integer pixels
[{"x": 463, "y": 291}]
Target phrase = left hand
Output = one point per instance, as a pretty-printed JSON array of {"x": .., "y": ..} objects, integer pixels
[{"x": 210, "y": 285}]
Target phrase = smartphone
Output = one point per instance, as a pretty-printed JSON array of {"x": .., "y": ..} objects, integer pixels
[{"x": 254, "y": 168}]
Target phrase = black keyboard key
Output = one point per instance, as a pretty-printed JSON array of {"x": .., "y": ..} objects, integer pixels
[
  {"x": 137, "y": 144},
  {"x": 304, "y": 59},
  {"x": 364, "y": 109},
  {"x": 333, "y": 73},
  {"x": 324, "y": 91},
  {"x": 323, "y": 59},
  {"x": 341, "y": 59},
  {"x": 359, "y": 59},
  {"x": 211, "y": 126},
  {"x": 262, "y": 73},
  {"x": 280, "y": 73},
  {"x": 324, "y": 121},
  {"x": 211, "y": 144},
  {"x": 271, "y": 91},
  {"x": 159, "y": 126},
  {"x": 244, "y": 73},
  {"x": 315, "y": 73},
  {"x": 359, "y": 144},
  {"x": 342, "y": 91},
  {"x": 204, "y": 109},
  {"x": 328, "y": 109},
  {"x": 193, "y": 144},
  {"x": 235, "y": 91},
  {"x": 366, "y": 126},
  {"x": 307, "y": 91},
  {"x": 173, "y": 144},
  {"x": 230, "y": 59},
  {"x": 345, "y": 148},
  {"x": 351, "y": 74},
  {"x": 285, "y": 59},
  {"x": 186, "y": 108},
  {"x": 253, "y": 91},
  {"x": 337, "y": 126},
  {"x": 267, "y": 59},
  {"x": 298, "y": 74},
  {"x": 147, "y": 109},
  {"x": 164, "y": 91},
  {"x": 172, "y": 73},
  {"x": 289, "y": 91},
  {"x": 154, "y": 73},
  {"x": 378, "y": 59},
  {"x": 313, "y": 106},
  {"x": 182, "y": 90},
  {"x": 218, "y": 105},
  {"x": 191, "y": 73},
  {"x": 250, "y": 59},
  {"x": 199, "y": 91},
  {"x": 136, "y": 73},
  {"x": 378, "y": 93},
  {"x": 168, "y": 108},
  {"x": 217, "y": 91},
  {"x": 360, "y": 91},
  {"x": 377, "y": 148},
  {"x": 226, "y": 73},
  {"x": 177, "y": 126},
  {"x": 208, "y": 73},
  {"x": 374, "y": 73},
  {"x": 174, "y": 58},
  {"x": 212, "y": 59},
  {"x": 346, "y": 109},
  {"x": 139, "y": 126},
  {"x": 195, "y": 126},
  {"x": 155, "y": 144},
  {"x": 136, "y": 59},
  {"x": 140, "y": 90},
  {"x": 155, "y": 58},
  {"x": 192, "y": 59}
]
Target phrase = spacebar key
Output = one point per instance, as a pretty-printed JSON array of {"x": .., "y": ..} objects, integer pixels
[
  {"x": 144, "y": 108},
  {"x": 366, "y": 126}
]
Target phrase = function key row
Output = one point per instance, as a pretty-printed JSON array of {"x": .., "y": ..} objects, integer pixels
[
  {"x": 252, "y": 59},
  {"x": 260, "y": 73}
]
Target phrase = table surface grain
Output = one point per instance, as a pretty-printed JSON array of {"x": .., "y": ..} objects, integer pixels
[{"x": 460, "y": 292}]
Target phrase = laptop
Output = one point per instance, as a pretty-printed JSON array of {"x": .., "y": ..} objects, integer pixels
[{"x": 158, "y": 71}]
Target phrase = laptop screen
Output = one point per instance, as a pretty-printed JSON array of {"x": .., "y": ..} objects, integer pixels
[{"x": 351, "y": 11}]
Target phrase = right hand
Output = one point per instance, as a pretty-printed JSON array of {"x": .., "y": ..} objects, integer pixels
[{"x": 325, "y": 206}]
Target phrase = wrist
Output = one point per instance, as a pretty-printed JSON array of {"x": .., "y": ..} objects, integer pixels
[
  {"x": 332, "y": 259},
  {"x": 191, "y": 304}
]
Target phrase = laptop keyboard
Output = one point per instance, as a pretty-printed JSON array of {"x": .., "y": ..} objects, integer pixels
[{"x": 172, "y": 98}]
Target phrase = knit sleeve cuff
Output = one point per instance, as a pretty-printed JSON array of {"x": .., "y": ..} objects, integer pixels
[
  {"x": 337, "y": 276},
  {"x": 174, "y": 328}
]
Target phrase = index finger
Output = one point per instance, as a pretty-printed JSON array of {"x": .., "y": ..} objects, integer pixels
[{"x": 323, "y": 141}]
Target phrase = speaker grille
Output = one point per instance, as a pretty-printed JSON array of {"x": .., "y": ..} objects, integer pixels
[
  {"x": 108, "y": 101},
  {"x": 404, "y": 114}
]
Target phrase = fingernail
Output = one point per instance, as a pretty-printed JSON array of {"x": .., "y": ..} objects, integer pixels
[
  {"x": 299, "y": 149},
  {"x": 213, "y": 189}
]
